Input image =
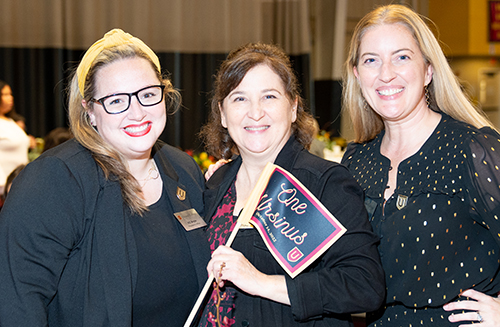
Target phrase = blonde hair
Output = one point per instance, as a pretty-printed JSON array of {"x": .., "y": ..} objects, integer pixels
[
  {"x": 111, "y": 39},
  {"x": 445, "y": 93},
  {"x": 107, "y": 157}
]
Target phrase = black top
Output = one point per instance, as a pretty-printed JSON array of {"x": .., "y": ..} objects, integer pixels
[
  {"x": 68, "y": 255},
  {"x": 164, "y": 263},
  {"x": 434, "y": 233},
  {"x": 347, "y": 278}
]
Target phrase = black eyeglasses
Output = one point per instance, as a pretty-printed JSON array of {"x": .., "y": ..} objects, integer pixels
[{"x": 120, "y": 102}]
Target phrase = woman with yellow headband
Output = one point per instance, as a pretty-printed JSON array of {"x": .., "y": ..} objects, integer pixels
[{"x": 94, "y": 232}]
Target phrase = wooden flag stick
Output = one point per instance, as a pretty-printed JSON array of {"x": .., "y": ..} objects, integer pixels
[
  {"x": 244, "y": 218},
  {"x": 208, "y": 283},
  {"x": 204, "y": 291}
]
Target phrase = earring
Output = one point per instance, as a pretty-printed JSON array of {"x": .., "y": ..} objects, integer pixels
[
  {"x": 95, "y": 128},
  {"x": 365, "y": 105},
  {"x": 427, "y": 96},
  {"x": 92, "y": 123}
]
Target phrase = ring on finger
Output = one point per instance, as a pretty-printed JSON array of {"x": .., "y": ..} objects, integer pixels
[
  {"x": 222, "y": 266},
  {"x": 479, "y": 317}
]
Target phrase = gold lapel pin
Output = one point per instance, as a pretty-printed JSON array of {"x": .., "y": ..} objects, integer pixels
[
  {"x": 181, "y": 194},
  {"x": 402, "y": 201}
]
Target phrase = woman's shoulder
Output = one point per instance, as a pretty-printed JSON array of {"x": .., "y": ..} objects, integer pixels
[
  {"x": 169, "y": 149},
  {"x": 318, "y": 168},
  {"x": 8, "y": 127},
  {"x": 355, "y": 149},
  {"x": 449, "y": 123},
  {"x": 307, "y": 160},
  {"x": 71, "y": 154},
  {"x": 297, "y": 160},
  {"x": 460, "y": 132},
  {"x": 70, "y": 151},
  {"x": 175, "y": 156},
  {"x": 182, "y": 163},
  {"x": 69, "y": 166},
  {"x": 5, "y": 122},
  {"x": 68, "y": 172}
]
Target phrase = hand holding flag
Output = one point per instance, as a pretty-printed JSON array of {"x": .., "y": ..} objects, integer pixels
[{"x": 294, "y": 225}]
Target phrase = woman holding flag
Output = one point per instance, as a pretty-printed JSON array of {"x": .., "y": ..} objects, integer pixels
[{"x": 258, "y": 117}]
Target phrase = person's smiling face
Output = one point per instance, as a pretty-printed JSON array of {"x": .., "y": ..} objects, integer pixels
[
  {"x": 392, "y": 72},
  {"x": 258, "y": 114},
  {"x": 135, "y": 131}
]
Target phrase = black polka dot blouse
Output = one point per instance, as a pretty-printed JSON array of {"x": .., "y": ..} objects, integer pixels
[{"x": 440, "y": 230}]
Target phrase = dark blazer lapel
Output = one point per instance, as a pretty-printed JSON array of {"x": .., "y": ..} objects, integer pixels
[
  {"x": 288, "y": 155},
  {"x": 172, "y": 186},
  {"x": 196, "y": 238},
  {"x": 113, "y": 256}
]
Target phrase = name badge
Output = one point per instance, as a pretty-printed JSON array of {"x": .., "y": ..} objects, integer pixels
[{"x": 190, "y": 219}]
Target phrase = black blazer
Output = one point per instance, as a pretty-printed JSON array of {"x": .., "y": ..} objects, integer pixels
[
  {"x": 67, "y": 250},
  {"x": 347, "y": 278}
]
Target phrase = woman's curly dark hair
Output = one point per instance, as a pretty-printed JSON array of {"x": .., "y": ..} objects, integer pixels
[{"x": 217, "y": 140}]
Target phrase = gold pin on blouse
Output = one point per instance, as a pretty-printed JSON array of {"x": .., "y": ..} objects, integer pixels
[
  {"x": 401, "y": 202},
  {"x": 181, "y": 194}
]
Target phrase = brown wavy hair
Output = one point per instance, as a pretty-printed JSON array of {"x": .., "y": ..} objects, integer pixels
[{"x": 217, "y": 140}]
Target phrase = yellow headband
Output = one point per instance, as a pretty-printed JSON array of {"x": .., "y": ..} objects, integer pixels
[{"x": 112, "y": 38}]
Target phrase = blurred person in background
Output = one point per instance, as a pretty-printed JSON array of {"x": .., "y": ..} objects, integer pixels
[
  {"x": 9, "y": 181},
  {"x": 14, "y": 142}
]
